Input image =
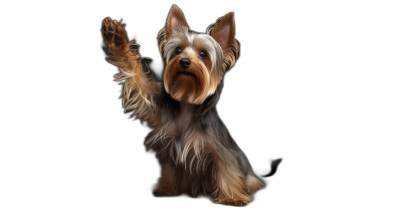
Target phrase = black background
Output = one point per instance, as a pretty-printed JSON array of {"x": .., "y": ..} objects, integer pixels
[{"x": 276, "y": 103}]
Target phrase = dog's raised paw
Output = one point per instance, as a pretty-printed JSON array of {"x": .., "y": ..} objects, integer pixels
[{"x": 114, "y": 34}]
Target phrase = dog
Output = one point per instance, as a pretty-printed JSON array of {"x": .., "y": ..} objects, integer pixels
[{"x": 195, "y": 150}]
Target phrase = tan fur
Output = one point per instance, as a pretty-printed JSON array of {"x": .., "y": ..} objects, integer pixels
[
  {"x": 138, "y": 90},
  {"x": 232, "y": 187},
  {"x": 253, "y": 184},
  {"x": 192, "y": 89}
]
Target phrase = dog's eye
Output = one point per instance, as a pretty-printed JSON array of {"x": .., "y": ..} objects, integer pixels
[
  {"x": 178, "y": 50},
  {"x": 202, "y": 54}
]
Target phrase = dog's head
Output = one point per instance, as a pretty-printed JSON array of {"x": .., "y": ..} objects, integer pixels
[{"x": 196, "y": 62}]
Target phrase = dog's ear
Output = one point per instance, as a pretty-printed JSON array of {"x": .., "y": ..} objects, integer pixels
[
  {"x": 223, "y": 31},
  {"x": 176, "y": 21}
]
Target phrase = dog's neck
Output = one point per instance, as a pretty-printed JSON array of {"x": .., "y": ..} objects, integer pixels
[
  {"x": 186, "y": 112},
  {"x": 186, "y": 107}
]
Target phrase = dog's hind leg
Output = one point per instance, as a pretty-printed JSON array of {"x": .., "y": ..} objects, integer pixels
[{"x": 230, "y": 183}]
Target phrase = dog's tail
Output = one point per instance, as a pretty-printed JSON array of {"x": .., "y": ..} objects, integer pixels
[{"x": 274, "y": 167}]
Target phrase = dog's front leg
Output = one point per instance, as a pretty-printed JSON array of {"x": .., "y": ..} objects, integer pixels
[
  {"x": 119, "y": 48},
  {"x": 141, "y": 89}
]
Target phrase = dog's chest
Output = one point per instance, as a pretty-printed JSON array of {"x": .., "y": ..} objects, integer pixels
[{"x": 183, "y": 124}]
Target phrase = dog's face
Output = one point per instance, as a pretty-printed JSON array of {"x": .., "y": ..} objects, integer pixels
[{"x": 196, "y": 63}]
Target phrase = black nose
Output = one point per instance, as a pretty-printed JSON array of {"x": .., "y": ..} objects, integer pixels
[{"x": 184, "y": 63}]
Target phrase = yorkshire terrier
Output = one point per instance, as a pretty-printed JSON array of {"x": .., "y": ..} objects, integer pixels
[{"x": 196, "y": 152}]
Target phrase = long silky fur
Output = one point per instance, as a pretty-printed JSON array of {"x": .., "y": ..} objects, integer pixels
[
  {"x": 197, "y": 171},
  {"x": 195, "y": 149},
  {"x": 137, "y": 101}
]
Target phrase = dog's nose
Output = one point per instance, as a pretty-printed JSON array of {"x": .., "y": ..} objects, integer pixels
[{"x": 185, "y": 63}]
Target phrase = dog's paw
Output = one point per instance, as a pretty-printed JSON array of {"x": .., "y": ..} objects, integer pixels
[
  {"x": 114, "y": 34},
  {"x": 161, "y": 193},
  {"x": 158, "y": 193},
  {"x": 234, "y": 202}
]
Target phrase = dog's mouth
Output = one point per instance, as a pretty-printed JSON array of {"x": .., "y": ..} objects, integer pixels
[{"x": 186, "y": 73}]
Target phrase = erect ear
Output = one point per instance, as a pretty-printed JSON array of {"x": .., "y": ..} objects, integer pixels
[
  {"x": 223, "y": 31},
  {"x": 176, "y": 20}
]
